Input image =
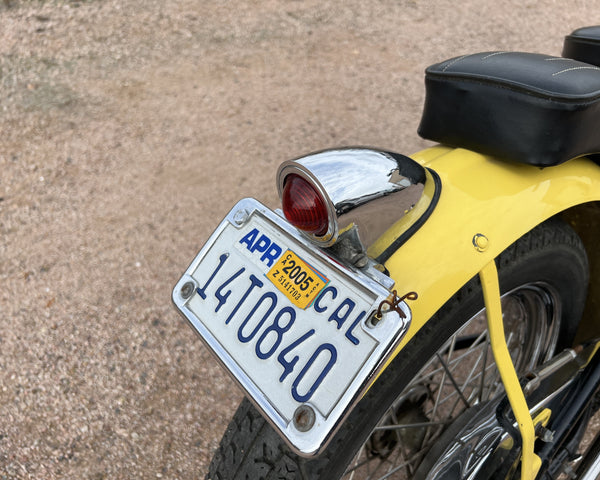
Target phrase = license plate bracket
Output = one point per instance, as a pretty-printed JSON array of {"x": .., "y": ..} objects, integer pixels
[{"x": 291, "y": 325}]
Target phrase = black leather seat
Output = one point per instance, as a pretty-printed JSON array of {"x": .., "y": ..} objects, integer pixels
[
  {"x": 583, "y": 45},
  {"x": 524, "y": 107}
]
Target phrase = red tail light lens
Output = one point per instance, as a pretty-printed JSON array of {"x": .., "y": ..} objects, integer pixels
[{"x": 303, "y": 206}]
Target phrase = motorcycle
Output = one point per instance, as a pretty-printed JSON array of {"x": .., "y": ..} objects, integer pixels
[{"x": 427, "y": 317}]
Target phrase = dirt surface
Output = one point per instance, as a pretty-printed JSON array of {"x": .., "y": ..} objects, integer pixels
[{"x": 127, "y": 131}]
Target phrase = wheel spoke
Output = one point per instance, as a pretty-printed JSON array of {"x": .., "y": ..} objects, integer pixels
[
  {"x": 357, "y": 465},
  {"x": 483, "y": 370},
  {"x": 397, "y": 468},
  {"x": 453, "y": 380},
  {"x": 460, "y": 374},
  {"x": 409, "y": 425},
  {"x": 401, "y": 450}
]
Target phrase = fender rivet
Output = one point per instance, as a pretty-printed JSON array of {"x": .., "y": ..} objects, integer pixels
[{"x": 480, "y": 242}]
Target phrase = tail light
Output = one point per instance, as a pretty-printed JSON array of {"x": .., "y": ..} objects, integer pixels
[
  {"x": 327, "y": 194},
  {"x": 303, "y": 206}
]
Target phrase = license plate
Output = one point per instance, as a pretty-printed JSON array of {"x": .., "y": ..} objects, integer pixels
[{"x": 293, "y": 326}]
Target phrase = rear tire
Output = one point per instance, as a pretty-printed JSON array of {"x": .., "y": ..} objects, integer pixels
[{"x": 543, "y": 277}]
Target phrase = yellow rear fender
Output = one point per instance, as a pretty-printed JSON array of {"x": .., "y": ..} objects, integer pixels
[{"x": 485, "y": 205}]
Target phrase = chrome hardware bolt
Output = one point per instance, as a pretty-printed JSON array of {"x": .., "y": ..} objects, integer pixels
[
  {"x": 304, "y": 418},
  {"x": 544, "y": 434},
  {"x": 373, "y": 321},
  {"x": 187, "y": 290},
  {"x": 240, "y": 217}
]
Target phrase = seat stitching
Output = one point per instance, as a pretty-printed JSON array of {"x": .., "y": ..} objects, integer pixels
[
  {"x": 575, "y": 68},
  {"x": 453, "y": 62},
  {"x": 493, "y": 54}
]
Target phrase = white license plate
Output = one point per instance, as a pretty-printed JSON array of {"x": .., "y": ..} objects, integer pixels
[{"x": 292, "y": 326}]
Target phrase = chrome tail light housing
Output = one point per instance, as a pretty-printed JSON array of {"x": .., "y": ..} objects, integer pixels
[{"x": 357, "y": 192}]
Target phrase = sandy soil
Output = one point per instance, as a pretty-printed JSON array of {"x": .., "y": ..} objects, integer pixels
[{"x": 127, "y": 130}]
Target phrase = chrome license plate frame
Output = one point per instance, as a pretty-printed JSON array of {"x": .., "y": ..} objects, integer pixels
[{"x": 220, "y": 296}]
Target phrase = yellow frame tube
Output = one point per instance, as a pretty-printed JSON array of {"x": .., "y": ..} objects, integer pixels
[{"x": 530, "y": 462}]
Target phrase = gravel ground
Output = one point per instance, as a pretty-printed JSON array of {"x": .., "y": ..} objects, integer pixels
[{"x": 127, "y": 130}]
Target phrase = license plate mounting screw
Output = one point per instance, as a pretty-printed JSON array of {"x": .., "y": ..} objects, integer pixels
[
  {"x": 187, "y": 290},
  {"x": 374, "y": 320},
  {"x": 240, "y": 217},
  {"x": 304, "y": 418}
]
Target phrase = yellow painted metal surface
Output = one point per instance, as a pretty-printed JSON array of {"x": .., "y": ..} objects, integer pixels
[
  {"x": 480, "y": 195},
  {"x": 530, "y": 462}
]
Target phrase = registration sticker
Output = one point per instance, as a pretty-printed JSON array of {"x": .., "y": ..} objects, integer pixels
[{"x": 297, "y": 280}]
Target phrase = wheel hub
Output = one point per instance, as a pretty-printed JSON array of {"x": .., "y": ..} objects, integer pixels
[
  {"x": 463, "y": 448},
  {"x": 411, "y": 422}
]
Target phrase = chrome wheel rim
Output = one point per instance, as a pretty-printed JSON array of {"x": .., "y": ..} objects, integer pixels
[{"x": 460, "y": 375}]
